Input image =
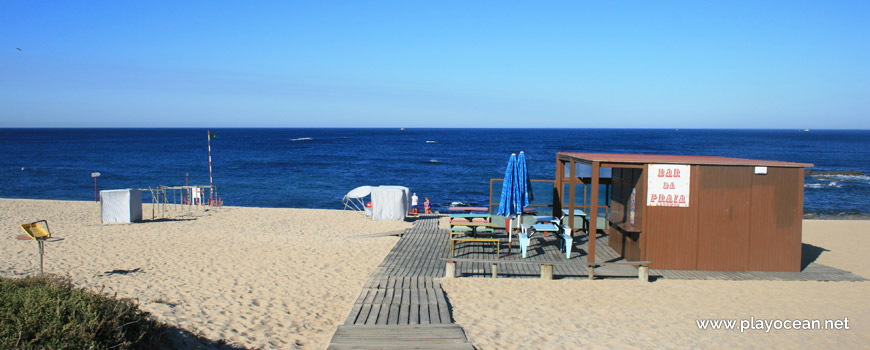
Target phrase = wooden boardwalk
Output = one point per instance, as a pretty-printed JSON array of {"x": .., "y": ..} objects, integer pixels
[
  {"x": 389, "y": 300},
  {"x": 402, "y": 306},
  {"x": 545, "y": 249},
  {"x": 813, "y": 272},
  {"x": 442, "y": 336}
]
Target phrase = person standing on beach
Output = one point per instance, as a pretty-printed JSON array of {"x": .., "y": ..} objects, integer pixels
[
  {"x": 414, "y": 209},
  {"x": 427, "y": 206}
]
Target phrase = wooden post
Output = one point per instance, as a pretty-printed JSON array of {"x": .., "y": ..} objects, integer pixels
[
  {"x": 643, "y": 273},
  {"x": 451, "y": 270},
  {"x": 558, "y": 187},
  {"x": 546, "y": 272},
  {"x": 591, "y": 272},
  {"x": 593, "y": 213},
  {"x": 571, "y": 194},
  {"x": 494, "y": 270}
]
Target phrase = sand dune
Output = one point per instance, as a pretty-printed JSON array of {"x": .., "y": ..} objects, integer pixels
[{"x": 258, "y": 277}]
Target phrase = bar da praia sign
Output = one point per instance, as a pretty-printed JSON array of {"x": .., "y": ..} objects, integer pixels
[{"x": 668, "y": 185}]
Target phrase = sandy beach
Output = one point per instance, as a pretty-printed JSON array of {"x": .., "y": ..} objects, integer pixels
[
  {"x": 255, "y": 277},
  {"x": 608, "y": 314},
  {"x": 286, "y": 278}
]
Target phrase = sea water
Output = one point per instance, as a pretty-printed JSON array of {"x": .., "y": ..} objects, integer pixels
[{"x": 315, "y": 168}]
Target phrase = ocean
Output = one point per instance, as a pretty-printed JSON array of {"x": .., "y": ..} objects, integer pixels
[{"x": 315, "y": 168}]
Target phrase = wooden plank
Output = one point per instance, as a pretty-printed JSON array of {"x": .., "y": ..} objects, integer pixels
[
  {"x": 424, "y": 313},
  {"x": 533, "y": 261},
  {"x": 397, "y": 296},
  {"x": 414, "y": 316},
  {"x": 370, "y": 295},
  {"x": 434, "y": 315},
  {"x": 363, "y": 314},
  {"x": 379, "y": 296},
  {"x": 447, "y": 337},
  {"x": 383, "y": 315},
  {"x": 404, "y": 314},
  {"x": 362, "y": 296},
  {"x": 444, "y": 313},
  {"x": 354, "y": 313},
  {"x": 394, "y": 314},
  {"x": 415, "y": 296},
  {"x": 373, "y": 314},
  {"x": 431, "y": 298}
]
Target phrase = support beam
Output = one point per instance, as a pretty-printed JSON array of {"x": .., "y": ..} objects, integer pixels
[
  {"x": 558, "y": 186},
  {"x": 546, "y": 272},
  {"x": 572, "y": 185},
  {"x": 494, "y": 270},
  {"x": 593, "y": 212},
  {"x": 643, "y": 273},
  {"x": 451, "y": 270}
]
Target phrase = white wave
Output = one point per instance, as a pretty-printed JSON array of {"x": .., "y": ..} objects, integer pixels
[
  {"x": 302, "y": 139},
  {"x": 830, "y": 184},
  {"x": 434, "y": 161},
  {"x": 852, "y": 178},
  {"x": 431, "y": 142}
]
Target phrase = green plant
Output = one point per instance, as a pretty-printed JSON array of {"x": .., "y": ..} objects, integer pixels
[{"x": 50, "y": 313}]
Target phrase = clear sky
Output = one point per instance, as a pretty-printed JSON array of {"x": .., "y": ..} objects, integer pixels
[{"x": 650, "y": 64}]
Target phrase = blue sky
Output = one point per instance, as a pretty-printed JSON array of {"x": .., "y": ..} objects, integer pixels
[{"x": 651, "y": 64}]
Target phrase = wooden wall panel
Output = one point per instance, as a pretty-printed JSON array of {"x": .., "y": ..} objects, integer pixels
[
  {"x": 633, "y": 250},
  {"x": 725, "y": 194},
  {"x": 632, "y": 247},
  {"x": 669, "y": 235},
  {"x": 618, "y": 196},
  {"x": 626, "y": 244},
  {"x": 776, "y": 223},
  {"x": 617, "y": 212}
]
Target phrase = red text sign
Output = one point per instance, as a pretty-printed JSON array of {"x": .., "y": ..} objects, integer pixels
[{"x": 668, "y": 185}]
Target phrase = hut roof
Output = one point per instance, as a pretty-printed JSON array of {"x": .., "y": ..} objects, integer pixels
[{"x": 675, "y": 159}]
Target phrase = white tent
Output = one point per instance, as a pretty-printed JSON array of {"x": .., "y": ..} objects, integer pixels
[
  {"x": 355, "y": 198},
  {"x": 388, "y": 202},
  {"x": 121, "y": 205}
]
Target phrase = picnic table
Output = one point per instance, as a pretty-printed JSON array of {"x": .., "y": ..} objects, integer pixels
[
  {"x": 577, "y": 212},
  {"x": 475, "y": 225},
  {"x": 461, "y": 225},
  {"x": 461, "y": 218},
  {"x": 468, "y": 209},
  {"x": 469, "y": 223}
]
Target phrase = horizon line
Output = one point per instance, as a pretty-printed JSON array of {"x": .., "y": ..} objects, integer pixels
[{"x": 407, "y": 128}]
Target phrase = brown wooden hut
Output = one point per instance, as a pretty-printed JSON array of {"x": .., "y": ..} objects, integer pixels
[{"x": 726, "y": 214}]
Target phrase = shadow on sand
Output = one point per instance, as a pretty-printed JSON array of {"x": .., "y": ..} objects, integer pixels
[
  {"x": 164, "y": 220},
  {"x": 179, "y": 338},
  {"x": 809, "y": 254}
]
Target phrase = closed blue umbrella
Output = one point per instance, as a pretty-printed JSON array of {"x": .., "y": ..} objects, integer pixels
[
  {"x": 507, "y": 201},
  {"x": 524, "y": 183},
  {"x": 516, "y": 191}
]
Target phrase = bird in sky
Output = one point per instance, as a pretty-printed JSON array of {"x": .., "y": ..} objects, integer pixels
[{"x": 18, "y": 48}]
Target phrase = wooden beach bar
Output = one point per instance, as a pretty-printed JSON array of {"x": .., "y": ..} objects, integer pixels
[{"x": 691, "y": 212}]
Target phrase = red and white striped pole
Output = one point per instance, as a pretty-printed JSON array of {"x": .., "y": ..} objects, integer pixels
[{"x": 210, "y": 180}]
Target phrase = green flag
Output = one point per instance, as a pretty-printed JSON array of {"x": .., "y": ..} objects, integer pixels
[{"x": 211, "y": 135}]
